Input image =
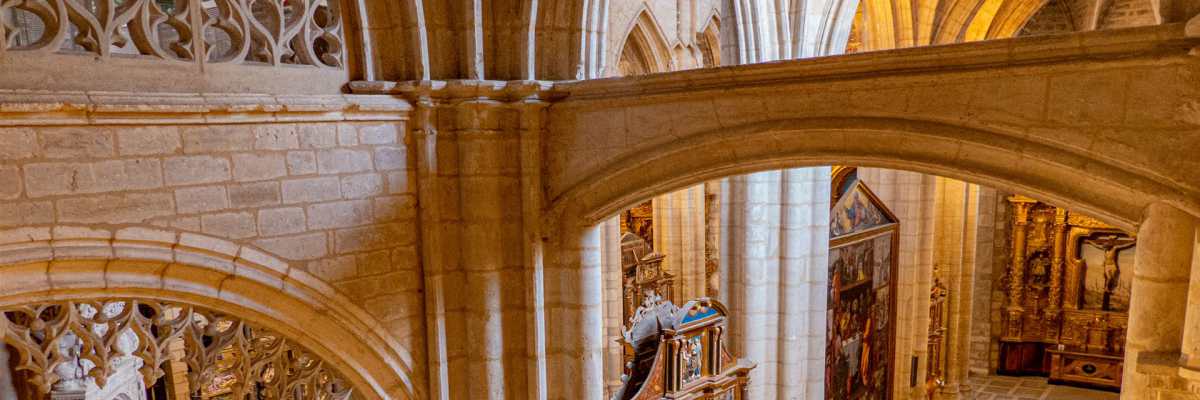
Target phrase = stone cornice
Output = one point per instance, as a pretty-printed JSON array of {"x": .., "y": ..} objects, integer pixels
[
  {"x": 1170, "y": 39},
  {"x": 461, "y": 90},
  {"x": 123, "y": 108}
]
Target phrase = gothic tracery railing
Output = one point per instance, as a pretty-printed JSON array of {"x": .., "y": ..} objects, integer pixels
[
  {"x": 59, "y": 344},
  {"x": 302, "y": 32}
]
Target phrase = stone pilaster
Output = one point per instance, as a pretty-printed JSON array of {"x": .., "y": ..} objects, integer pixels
[
  {"x": 478, "y": 159},
  {"x": 1157, "y": 309}
]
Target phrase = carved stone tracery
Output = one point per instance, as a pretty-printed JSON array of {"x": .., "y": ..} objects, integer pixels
[
  {"x": 305, "y": 32},
  {"x": 66, "y": 341}
]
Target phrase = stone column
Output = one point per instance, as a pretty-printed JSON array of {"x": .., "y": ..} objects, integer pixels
[
  {"x": 775, "y": 248},
  {"x": 956, "y": 251},
  {"x": 981, "y": 298},
  {"x": 804, "y": 282},
  {"x": 752, "y": 241},
  {"x": 610, "y": 242},
  {"x": 439, "y": 225},
  {"x": 575, "y": 313},
  {"x": 478, "y": 159},
  {"x": 911, "y": 197},
  {"x": 491, "y": 250},
  {"x": 679, "y": 234},
  {"x": 1157, "y": 309},
  {"x": 531, "y": 111}
]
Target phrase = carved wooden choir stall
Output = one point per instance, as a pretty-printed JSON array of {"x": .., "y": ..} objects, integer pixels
[
  {"x": 679, "y": 353},
  {"x": 1067, "y": 302},
  {"x": 860, "y": 333}
]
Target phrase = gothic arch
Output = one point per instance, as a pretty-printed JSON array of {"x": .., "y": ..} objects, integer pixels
[
  {"x": 645, "y": 45},
  {"x": 77, "y": 263},
  {"x": 709, "y": 41}
]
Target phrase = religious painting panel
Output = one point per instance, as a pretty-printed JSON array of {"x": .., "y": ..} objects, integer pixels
[
  {"x": 861, "y": 295},
  {"x": 1107, "y": 262},
  {"x": 855, "y": 213},
  {"x": 859, "y": 334},
  {"x": 692, "y": 359}
]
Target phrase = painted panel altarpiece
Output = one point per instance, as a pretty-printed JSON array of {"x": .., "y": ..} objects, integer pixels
[{"x": 861, "y": 296}]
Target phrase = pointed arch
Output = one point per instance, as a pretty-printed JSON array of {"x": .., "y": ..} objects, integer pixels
[
  {"x": 570, "y": 38},
  {"x": 80, "y": 263},
  {"x": 645, "y": 49},
  {"x": 1012, "y": 17},
  {"x": 709, "y": 42}
]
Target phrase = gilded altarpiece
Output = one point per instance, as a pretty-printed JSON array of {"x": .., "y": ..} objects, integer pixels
[
  {"x": 861, "y": 301},
  {"x": 1068, "y": 286}
]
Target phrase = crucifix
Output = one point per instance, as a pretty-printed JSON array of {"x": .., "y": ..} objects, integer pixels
[{"x": 1111, "y": 244}]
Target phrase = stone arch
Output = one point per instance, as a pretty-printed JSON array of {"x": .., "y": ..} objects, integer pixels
[
  {"x": 68, "y": 262},
  {"x": 709, "y": 41},
  {"x": 966, "y": 153},
  {"x": 645, "y": 47}
]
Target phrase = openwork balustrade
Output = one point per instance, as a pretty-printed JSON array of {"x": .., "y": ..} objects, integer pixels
[
  {"x": 273, "y": 32},
  {"x": 62, "y": 345}
]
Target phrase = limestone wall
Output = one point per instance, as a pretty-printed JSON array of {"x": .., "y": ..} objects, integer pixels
[{"x": 335, "y": 199}]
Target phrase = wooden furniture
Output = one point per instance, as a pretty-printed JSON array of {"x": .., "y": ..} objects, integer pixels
[
  {"x": 642, "y": 274},
  {"x": 1067, "y": 297},
  {"x": 860, "y": 331},
  {"x": 679, "y": 353}
]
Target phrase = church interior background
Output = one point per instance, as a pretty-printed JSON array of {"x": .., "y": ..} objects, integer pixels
[{"x": 599, "y": 199}]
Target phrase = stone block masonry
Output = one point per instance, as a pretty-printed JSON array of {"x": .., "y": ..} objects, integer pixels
[{"x": 331, "y": 198}]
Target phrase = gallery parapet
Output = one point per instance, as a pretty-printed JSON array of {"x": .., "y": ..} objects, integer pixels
[{"x": 139, "y": 43}]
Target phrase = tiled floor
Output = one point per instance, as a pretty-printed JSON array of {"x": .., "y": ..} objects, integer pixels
[{"x": 1030, "y": 388}]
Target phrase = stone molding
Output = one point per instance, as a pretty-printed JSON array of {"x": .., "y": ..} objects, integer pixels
[
  {"x": 507, "y": 91},
  {"x": 1090, "y": 46},
  {"x": 71, "y": 262},
  {"x": 41, "y": 108}
]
